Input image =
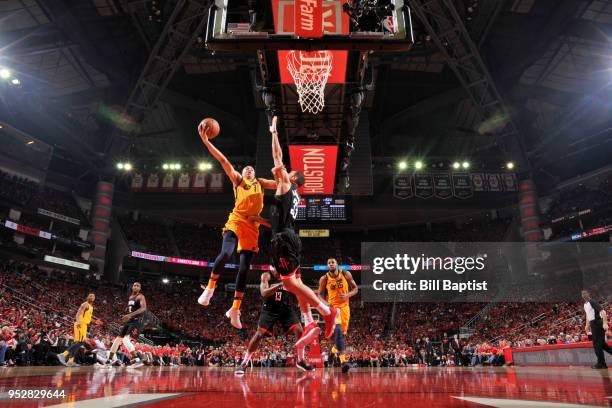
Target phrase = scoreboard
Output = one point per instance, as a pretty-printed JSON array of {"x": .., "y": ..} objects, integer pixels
[{"x": 323, "y": 209}]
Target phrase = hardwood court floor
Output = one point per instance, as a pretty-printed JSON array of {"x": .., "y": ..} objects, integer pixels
[{"x": 190, "y": 387}]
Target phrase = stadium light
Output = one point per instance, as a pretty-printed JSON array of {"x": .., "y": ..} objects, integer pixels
[
  {"x": 5, "y": 73},
  {"x": 456, "y": 165},
  {"x": 120, "y": 166},
  {"x": 165, "y": 166},
  {"x": 165, "y": 280},
  {"x": 177, "y": 166},
  {"x": 418, "y": 165},
  {"x": 510, "y": 165},
  {"x": 127, "y": 166},
  {"x": 15, "y": 81},
  {"x": 30, "y": 142},
  {"x": 402, "y": 165},
  {"x": 205, "y": 166},
  {"x": 465, "y": 165}
]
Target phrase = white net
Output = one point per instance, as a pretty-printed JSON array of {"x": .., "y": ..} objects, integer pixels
[{"x": 310, "y": 72}]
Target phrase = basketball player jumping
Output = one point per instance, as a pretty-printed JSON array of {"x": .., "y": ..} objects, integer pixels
[
  {"x": 133, "y": 322},
  {"x": 286, "y": 246},
  {"x": 241, "y": 232},
  {"x": 81, "y": 320},
  {"x": 338, "y": 287},
  {"x": 278, "y": 306}
]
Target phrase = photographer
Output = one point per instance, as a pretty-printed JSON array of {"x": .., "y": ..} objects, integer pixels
[{"x": 42, "y": 346}]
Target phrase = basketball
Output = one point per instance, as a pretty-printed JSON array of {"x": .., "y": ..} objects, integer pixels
[{"x": 213, "y": 126}]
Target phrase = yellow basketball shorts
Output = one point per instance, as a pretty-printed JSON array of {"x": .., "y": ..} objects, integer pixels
[
  {"x": 247, "y": 233},
  {"x": 344, "y": 317},
  {"x": 80, "y": 333}
]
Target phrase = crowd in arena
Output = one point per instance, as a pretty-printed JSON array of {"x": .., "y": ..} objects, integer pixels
[
  {"x": 202, "y": 242},
  {"x": 582, "y": 197},
  {"x": 38, "y": 304},
  {"x": 27, "y": 194}
]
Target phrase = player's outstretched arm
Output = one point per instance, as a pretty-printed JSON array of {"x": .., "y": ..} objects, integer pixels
[
  {"x": 233, "y": 175},
  {"x": 264, "y": 287},
  {"x": 277, "y": 151},
  {"x": 267, "y": 184},
  {"x": 283, "y": 183}
]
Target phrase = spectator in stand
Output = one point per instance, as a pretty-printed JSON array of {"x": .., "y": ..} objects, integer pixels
[{"x": 36, "y": 306}]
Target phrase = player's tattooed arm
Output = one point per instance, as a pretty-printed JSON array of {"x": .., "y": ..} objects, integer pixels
[
  {"x": 265, "y": 288},
  {"x": 352, "y": 285}
]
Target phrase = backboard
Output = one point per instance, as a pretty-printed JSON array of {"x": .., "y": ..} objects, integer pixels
[{"x": 357, "y": 25}]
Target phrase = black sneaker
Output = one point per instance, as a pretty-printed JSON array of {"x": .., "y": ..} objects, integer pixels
[
  {"x": 304, "y": 366},
  {"x": 239, "y": 370},
  {"x": 600, "y": 366},
  {"x": 345, "y": 368}
]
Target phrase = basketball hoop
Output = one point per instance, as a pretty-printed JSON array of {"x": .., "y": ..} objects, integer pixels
[{"x": 310, "y": 72}]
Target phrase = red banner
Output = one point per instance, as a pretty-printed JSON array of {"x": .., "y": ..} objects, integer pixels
[
  {"x": 27, "y": 230},
  {"x": 318, "y": 163},
  {"x": 308, "y": 18}
]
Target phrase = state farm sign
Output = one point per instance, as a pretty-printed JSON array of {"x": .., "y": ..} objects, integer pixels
[
  {"x": 318, "y": 163},
  {"x": 312, "y": 19},
  {"x": 308, "y": 19},
  {"x": 327, "y": 13}
]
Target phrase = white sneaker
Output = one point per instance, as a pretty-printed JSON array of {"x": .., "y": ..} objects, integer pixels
[
  {"x": 205, "y": 297},
  {"x": 62, "y": 359},
  {"x": 234, "y": 316},
  {"x": 136, "y": 363}
]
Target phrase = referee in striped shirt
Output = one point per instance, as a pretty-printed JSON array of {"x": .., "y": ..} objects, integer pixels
[{"x": 597, "y": 324}]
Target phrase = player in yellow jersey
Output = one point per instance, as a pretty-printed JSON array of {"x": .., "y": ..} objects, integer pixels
[
  {"x": 81, "y": 321},
  {"x": 338, "y": 287},
  {"x": 241, "y": 231}
]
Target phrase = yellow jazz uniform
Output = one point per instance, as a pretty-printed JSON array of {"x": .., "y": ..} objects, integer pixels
[
  {"x": 249, "y": 202},
  {"x": 335, "y": 287},
  {"x": 80, "y": 334}
]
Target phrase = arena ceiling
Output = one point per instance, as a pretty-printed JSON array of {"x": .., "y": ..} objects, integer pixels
[{"x": 80, "y": 62}]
